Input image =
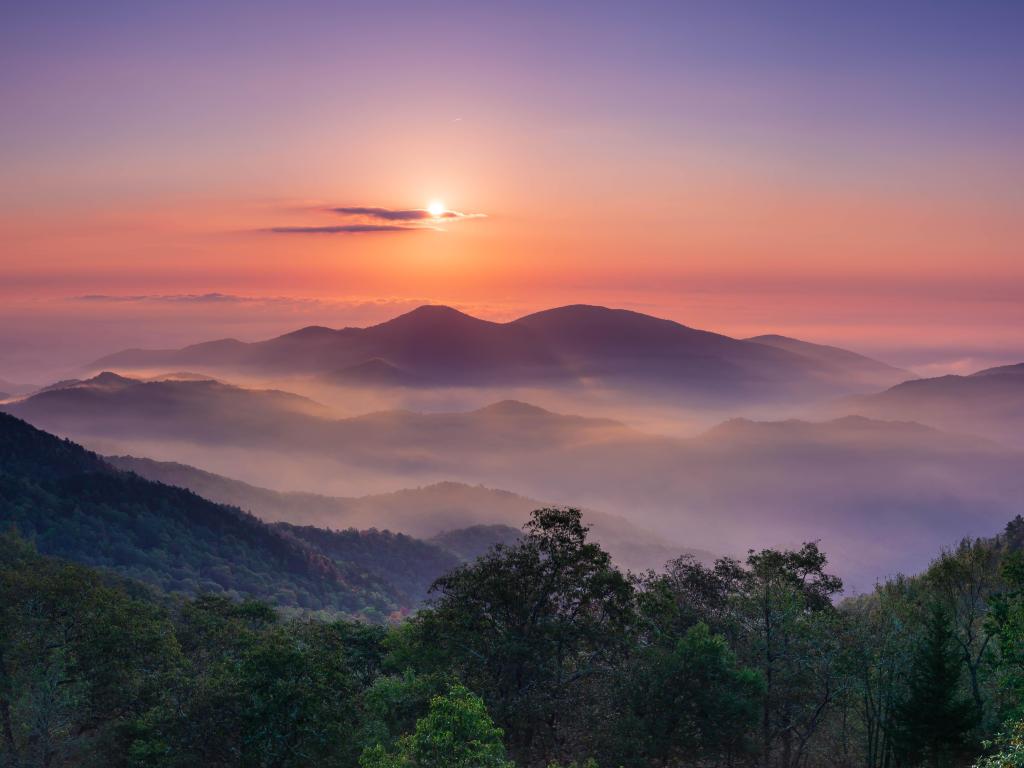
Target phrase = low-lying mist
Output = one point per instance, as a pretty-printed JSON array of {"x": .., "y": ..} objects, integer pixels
[{"x": 738, "y": 485}]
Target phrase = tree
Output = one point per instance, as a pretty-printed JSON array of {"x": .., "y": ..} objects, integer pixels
[
  {"x": 933, "y": 722},
  {"x": 790, "y": 634},
  {"x": 1009, "y": 745},
  {"x": 79, "y": 660},
  {"x": 689, "y": 703},
  {"x": 531, "y": 626},
  {"x": 1006, "y": 623},
  {"x": 964, "y": 580},
  {"x": 258, "y": 691},
  {"x": 881, "y": 631},
  {"x": 456, "y": 732}
]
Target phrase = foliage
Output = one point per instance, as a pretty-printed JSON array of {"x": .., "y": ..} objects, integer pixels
[
  {"x": 529, "y": 626},
  {"x": 73, "y": 505},
  {"x": 738, "y": 663},
  {"x": 935, "y": 718},
  {"x": 1010, "y": 748},
  {"x": 456, "y": 732}
]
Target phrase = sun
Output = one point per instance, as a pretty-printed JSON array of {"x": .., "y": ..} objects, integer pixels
[{"x": 435, "y": 208}]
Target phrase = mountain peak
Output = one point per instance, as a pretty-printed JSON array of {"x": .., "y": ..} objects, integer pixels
[
  {"x": 435, "y": 311},
  {"x": 514, "y": 408},
  {"x": 310, "y": 332},
  {"x": 109, "y": 379},
  {"x": 1016, "y": 369}
]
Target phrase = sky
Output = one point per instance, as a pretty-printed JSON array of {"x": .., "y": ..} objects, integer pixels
[{"x": 849, "y": 173}]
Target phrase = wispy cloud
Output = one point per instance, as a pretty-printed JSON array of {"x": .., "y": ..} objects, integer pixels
[
  {"x": 174, "y": 298},
  {"x": 343, "y": 229},
  {"x": 404, "y": 214},
  {"x": 368, "y": 219}
]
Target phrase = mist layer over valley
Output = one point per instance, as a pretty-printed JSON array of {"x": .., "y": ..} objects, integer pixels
[{"x": 675, "y": 462}]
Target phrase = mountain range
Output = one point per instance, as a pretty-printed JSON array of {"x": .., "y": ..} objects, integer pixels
[
  {"x": 73, "y": 504},
  {"x": 573, "y": 345},
  {"x": 743, "y": 483},
  {"x": 989, "y": 402},
  {"x": 464, "y": 519}
]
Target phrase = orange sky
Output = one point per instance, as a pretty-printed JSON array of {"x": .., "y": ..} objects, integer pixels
[{"x": 822, "y": 175}]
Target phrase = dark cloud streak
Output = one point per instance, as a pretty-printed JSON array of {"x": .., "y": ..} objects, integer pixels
[
  {"x": 373, "y": 219},
  {"x": 402, "y": 214},
  {"x": 344, "y": 229}
]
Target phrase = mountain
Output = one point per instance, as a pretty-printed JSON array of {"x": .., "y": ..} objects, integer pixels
[
  {"x": 463, "y": 519},
  {"x": 574, "y": 345},
  {"x": 408, "y": 565},
  {"x": 118, "y": 408},
  {"x": 744, "y": 483},
  {"x": 472, "y": 542},
  {"x": 989, "y": 402},
  {"x": 110, "y": 404},
  {"x": 76, "y": 506},
  {"x": 844, "y": 364}
]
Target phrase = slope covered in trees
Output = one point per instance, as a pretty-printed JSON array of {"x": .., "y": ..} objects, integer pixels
[{"x": 74, "y": 505}]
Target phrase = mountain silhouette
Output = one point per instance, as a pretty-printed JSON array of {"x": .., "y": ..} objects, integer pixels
[
  {"x": 989, "y": 402},
  {"x": 440, "y": 346},
  {"x": 464, "y": 519}
]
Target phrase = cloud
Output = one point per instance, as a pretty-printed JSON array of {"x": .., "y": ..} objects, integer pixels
[
  {"x": 366, "y": 219},
  {"x": 344, "y": 229},
  {"x": 176, "y": 298},
  {"x": 403, "y": 214}
]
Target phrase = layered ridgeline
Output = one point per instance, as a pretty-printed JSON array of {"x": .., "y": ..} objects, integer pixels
[
  {"x": 436, "y": 345},
  {"x": 989, "y": 402},
  {"x": 463, "y": 519},
  {"x": 742, "y": 482},
  {"x": 73, "y": 504}
]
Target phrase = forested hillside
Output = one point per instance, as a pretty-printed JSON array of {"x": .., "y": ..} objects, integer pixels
[
  {"x": 539, "y": 653},
  {"x": 74, "y": 505}
]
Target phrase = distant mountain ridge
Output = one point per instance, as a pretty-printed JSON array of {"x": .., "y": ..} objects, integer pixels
[
  {"x": 843, "y": 361},
  {"x": 989, "y": 402},
  {"x": 440, "y": 346},
  {"x": 742, "y": 482},
  {"x": 461, "y": 518}
]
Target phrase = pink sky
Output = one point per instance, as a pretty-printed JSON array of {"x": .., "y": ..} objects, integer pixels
[{"x": 849, "y": 176}]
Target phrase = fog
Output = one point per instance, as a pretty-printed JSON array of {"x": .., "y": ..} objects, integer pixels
[{"x": 881, "y": 497}]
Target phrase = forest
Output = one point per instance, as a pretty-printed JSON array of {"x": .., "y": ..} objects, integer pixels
[{"x": 538, "y": 653}]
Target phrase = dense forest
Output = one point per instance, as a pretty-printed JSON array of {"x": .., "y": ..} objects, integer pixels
[
  {"x": 75, "y": 505},
  {"x": 538, "y": 653}
]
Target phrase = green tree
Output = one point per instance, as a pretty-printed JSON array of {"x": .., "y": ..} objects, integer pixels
[
  {"x": 1009, "y": 746},
  {"x": 934, "y": 721},
  {"x": 964, "y": 580},
  {"x": 531, "y": 626},
  {"x": 456, "y": 732},
  {"x": 687, "y": 703},
  {"x": 789, "y": 632},
  {"x": 79, "y": 660},
  {"x": 880, "y": 632},
  {"x": 1006, "y": 623}
]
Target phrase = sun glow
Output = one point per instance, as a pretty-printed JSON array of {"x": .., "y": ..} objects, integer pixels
[{"x": 435, "y": 208}]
